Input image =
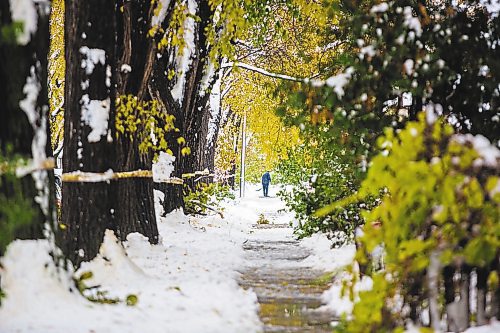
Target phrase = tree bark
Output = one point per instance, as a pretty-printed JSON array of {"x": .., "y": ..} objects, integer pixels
[
  {"x": 134, "y": 196},
  {"x": 195, "y": 102},
  {"x": 159, "y": 87},
  {"x": 88, "y": 208}
]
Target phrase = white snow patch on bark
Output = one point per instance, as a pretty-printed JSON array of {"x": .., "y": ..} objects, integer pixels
[
  {"x": 38, "y": 122},
  {"x": 207, "y": 78},
  {"x": 92, "y": 57},
  {"x": 184, "y": 56},
  {"x": 126, "y": 68},
  {"x": 95, "y": 114},
  {"x": 160, "y": 16},
  {"x": 163, "y": 168},
  {"x": 215, "y": 103}
]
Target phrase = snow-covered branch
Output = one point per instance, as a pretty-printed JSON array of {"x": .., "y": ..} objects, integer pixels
[{"x": 263, "y": 71}]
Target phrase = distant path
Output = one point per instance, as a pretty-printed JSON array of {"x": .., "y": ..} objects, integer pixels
[{"x": 288, "y": 292}]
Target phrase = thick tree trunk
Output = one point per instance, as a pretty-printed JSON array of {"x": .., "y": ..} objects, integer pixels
[
  {"x": 135, "y": 198},
  {"x": 195, "y": 102},
  {"x": 88, "y": 208},
  {"x": 159, "y": 88}
]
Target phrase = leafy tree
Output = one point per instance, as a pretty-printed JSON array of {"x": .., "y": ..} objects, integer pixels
[{"x": 441, "y": 210}]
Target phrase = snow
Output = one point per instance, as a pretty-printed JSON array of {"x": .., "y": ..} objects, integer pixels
[
  {"x": 493, "y": 327},
  {"x": 432, "y": 112},
  {"x": 183, "y": 60},
  {"x": 408, "y": 66},
  {"x": 163, "y": 168},
  {"x": 325, "y": 257},
  {"x": 338, "y": 82},
  {"x": 208, "y": 76},
  {"x": 95, "y": 114},
  {"x": 489, "y": 155},
  {"x": 493, "y": 6},
  {"x": 91, "y": 177},
  {"x": 159, "y": 17},
  {"x": 368, "y": 50},
  {"x": 126, "y": 68},
  {"x": 24, "y": 11},
  {"x": 186, "y": 283},
  {"x": 411, "y": 21},
  {"x": 340, "y": 303},
  {"x": 380, "y": 8},
  {"x": 38, "y": 121},
  {"x": 92, "y": 57},
  {"x": 215, "y": 111}
]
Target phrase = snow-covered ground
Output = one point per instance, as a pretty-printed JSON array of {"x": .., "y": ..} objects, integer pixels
[{"x": 187, "y": 283}]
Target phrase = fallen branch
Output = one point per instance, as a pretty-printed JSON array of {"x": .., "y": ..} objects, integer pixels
[{"x": 196, "y": 202}]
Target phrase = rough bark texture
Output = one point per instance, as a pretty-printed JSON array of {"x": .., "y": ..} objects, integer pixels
[
  {"x": 135, "y": 198},
  {"x": 159, "y": 87},
  {"x": 87, "y": 207},
  {"x": 17, "y": 63},
  {"x": 195, "y": 105},
  {"x": 192, "y": 114}
]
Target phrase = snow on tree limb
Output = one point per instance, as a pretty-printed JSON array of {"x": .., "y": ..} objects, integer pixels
[{"x": 263, "y": 71}]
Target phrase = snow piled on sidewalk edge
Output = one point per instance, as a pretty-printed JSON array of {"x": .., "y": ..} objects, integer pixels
[{"x": 187, "y": 283}]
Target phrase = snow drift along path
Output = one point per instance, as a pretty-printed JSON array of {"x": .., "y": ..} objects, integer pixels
[{"x": 187, "y": 283}]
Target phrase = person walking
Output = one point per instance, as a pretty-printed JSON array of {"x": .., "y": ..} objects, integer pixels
[{"x": 266, "y": 179}]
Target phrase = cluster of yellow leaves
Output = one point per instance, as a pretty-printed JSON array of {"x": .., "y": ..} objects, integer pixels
[{"x": 146, "y": 121}]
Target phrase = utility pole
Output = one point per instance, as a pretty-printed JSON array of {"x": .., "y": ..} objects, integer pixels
[{"x": 243, "y": 151}]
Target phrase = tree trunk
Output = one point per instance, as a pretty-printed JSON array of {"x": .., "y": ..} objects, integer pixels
[
  {"x": 160, "y": 87},
  {"x": 195, "y": 99},
  {"x": 134, "y": 196},
  {"x": 88, "y": 208}
]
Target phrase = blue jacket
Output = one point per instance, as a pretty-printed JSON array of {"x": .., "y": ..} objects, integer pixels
[{"x": 266, "y": 178}]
